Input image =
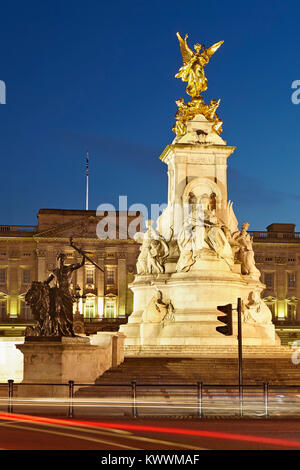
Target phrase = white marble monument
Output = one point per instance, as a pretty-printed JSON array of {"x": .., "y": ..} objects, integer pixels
[{"x": 197, "y": 257}]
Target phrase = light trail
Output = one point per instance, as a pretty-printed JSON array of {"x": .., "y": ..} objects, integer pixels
[
  {"x": 107, "y": 432},
  {"x": 75, "y": 436},
  {"x": 156, "y": 429},
  {"x": 100, "y": 404},
  {"x": 210, "y": 408}
]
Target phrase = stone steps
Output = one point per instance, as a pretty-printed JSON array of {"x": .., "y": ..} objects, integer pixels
[
  {"x": 206, "y": 351},
  {"x": 218, "y": 371}
]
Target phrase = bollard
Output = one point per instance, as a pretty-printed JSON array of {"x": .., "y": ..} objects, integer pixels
[
  {"x": 133, "y": 395},
  {"x": 10, "y": 395},
  {"x": 199, "y": 386},
  {"x": 266, "y": 398},
  {"x": 71, "y": 395}
]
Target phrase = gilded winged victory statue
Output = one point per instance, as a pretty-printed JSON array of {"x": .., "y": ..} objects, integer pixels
[{"x": 192, "y": 72}]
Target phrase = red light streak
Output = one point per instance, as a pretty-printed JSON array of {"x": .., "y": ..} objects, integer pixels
[{"x": 156, "y": 429}]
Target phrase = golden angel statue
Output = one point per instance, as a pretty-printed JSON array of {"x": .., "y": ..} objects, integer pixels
[{"x": 192, "y": 70}]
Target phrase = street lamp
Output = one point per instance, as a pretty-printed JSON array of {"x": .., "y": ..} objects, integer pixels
[
  {"x": 77, "y": 298},
  {"x": 78, "y": 320}
]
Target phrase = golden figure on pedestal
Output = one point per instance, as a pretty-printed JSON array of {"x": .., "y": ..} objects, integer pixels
[
  {"x": 187, "y": 112},
  {"x": 192, "y": 72}
]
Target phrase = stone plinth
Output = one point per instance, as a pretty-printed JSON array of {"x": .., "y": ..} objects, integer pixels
[
  {"x": 192, "y": 325},
  {"x": 113, "y": 342},
  {"x": 56, "y": 360}
]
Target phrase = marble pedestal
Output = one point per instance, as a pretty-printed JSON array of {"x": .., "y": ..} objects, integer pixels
[{"x": 195, "y": 296}]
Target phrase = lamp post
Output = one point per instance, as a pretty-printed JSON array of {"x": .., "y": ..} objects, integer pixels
[
  {"x": 78, "y": 320},
  {"x": 77, "y": 298}
]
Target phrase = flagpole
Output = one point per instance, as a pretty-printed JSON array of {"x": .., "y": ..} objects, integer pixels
[{"x": 87, "y": 182}]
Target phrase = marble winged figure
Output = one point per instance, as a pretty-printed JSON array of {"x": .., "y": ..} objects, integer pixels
[{"x": 192, "y": 70}]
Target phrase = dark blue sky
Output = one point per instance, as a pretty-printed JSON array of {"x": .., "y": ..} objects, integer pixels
[{"x": 100, "y": 76}]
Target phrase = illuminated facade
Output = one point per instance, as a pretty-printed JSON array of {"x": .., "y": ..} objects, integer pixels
[
  {"x": 29, "y": 253},
  {"x": 277, "y": 255}
]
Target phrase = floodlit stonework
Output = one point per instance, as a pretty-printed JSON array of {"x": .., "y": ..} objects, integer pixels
[
  {"x": 56, "y": 360},
  {"x": 196, "y": 261}
]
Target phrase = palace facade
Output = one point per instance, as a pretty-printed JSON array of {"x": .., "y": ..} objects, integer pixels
[
  {"x": 103, "y": 298},
  {"x": 28, "y": 253},
  {"x": 277, "y": 256}
]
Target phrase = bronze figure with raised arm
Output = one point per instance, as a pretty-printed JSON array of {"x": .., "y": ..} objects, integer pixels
[{"x": 52, "y": 307}]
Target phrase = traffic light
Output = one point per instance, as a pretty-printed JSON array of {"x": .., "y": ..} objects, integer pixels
[{"x": 227, "y": 319}]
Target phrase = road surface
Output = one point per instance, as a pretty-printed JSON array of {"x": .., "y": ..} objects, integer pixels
[{"x": 25, "y": 432}]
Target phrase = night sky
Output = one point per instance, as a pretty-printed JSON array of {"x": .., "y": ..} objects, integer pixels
[{"x": 99, "y": 76}]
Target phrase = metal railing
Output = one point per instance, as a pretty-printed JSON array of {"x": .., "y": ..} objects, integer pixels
[{"x": 201, "y": 393}]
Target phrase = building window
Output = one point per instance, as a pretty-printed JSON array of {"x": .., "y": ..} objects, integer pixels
[
  {"x": 90, "y": 276},
  {"x": 269, "y": 280},
  {"x": 110, "y": 275},
  {"x": 280, "y": 260},
  {"x": 2, "y": 276},
  {"x": 25, "y": 310},
  {"x": 90, "y": 308},
  {"x": 291, "y": 312},
  {"x": 259, "y": 258},
  {"x": 268, "y": 259},
  {"x": 26, "y": 276},
  {"x": 291, "y": 280},
  {"x": 3, "y": 309},
  {"x": 110, "y": 309}
]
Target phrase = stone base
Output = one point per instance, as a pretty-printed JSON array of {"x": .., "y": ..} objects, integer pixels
[
  {"x": 54, "y": 361},
  {"x": 195, "y": 296}
]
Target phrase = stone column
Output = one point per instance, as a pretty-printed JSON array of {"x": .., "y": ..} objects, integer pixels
[
  {"x": 80, "y": 275},
  {"x": 41, "y": 265},
  {"x": 100, "y": 284},
  {"x": 122, "y": 284},
  {"x": 12, "y": 288}
]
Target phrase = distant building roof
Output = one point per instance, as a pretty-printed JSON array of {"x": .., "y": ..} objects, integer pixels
[
  {"x": 278, "y": 227},
  {"x": 81, "y": 212}
]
